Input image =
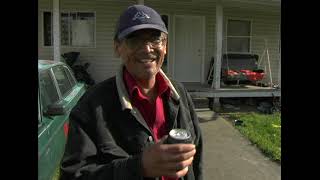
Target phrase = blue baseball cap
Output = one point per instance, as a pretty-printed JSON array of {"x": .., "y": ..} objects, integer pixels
[{"x": 138, "y": 17}]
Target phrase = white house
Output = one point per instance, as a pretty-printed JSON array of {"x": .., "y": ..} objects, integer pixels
[{"x": 198, "y": 31}]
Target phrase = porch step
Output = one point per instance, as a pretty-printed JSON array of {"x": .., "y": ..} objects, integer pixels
[{"x": 200, "y": 102}]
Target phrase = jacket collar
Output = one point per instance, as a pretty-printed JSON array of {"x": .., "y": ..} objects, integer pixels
[{"x": 123, "y": 93}]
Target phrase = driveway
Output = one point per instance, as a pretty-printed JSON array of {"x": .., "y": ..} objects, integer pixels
[{"x": 230, "y": 156}]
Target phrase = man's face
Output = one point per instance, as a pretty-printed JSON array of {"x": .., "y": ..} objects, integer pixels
[{"x": 143, "y": 52}]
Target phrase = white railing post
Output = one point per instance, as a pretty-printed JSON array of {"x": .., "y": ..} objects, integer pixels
[
  {"x": 56, "y": 30},
  {"x": 217, "y": 61},
  {"x": 219, "y": 39}
]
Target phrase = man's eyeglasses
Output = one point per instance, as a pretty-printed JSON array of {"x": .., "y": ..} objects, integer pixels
[{"x": 154, "y": 41}]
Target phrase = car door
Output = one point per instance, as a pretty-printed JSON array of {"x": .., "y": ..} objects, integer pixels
[
  {"x": 66, "y": 92},
  {"x": 46, "y": 129},
  {"x": 70, "y": 92}
]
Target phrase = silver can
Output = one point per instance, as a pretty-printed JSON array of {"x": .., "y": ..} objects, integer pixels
[{"x": 177, "y": 136}]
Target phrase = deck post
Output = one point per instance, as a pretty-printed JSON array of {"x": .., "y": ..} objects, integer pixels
[
  {"x": 56, "y": 30},
  {"x": 219, "y": 39},
  {"x": 216, "y": 106}
]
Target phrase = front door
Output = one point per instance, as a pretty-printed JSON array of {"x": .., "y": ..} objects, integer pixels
[{"x": 188, "y": 48}]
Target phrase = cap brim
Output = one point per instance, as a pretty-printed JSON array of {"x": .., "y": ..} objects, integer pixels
[{"x": 127, "y": 31}]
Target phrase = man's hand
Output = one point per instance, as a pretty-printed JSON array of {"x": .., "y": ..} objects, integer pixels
[{"x": 170, "y": 160}]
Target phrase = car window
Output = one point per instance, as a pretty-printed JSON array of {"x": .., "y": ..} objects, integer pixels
[
  {"x": 48, "y": 91},
  {"x": 62, "y": 80},
  {"x": 70, "y": 76}
]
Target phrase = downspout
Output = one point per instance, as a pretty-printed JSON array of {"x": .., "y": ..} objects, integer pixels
[{"x": 56, "y": 30}]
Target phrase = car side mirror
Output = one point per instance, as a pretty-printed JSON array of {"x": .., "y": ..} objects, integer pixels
[{"x": 56, "y": 109}]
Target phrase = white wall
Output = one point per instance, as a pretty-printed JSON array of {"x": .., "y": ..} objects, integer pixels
[{"x": 103, "y": 64}]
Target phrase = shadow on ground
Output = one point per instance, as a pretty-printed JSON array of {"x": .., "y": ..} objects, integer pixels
[{"x": 206, "y": 115}]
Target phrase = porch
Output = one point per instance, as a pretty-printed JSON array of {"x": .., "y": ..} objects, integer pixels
[{"x": 198, "y": 90}]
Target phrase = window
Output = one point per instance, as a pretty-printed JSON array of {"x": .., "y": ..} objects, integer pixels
[
  {"x": 77, "y": 29},
  {"x": 47, "y": 28},
  {"x": 62, "y": 80},
  {"x": 238, "y": 36},
  {"x": 70, "y": 77},
  {"x": 48, "y": 92}
]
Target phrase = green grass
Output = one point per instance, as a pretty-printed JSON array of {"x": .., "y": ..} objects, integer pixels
[
  {"x": 262, "y": 130},
  {"x": 56, "y": 174}
]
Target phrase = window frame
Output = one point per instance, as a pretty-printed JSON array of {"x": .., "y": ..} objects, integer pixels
[
  {"x": 66, "y": 11},
  {"x": 61, "y": 96},
  {"x": 68, "y": 71},
  {"x": 50, "y": 72},
  {"x": 227, "y": 36}
]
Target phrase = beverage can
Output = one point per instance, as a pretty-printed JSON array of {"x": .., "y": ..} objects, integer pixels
[{"x": 177, "y": 136}]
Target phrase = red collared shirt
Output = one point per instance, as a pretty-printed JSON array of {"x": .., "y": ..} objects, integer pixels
[{"x": 153, "y": 113}]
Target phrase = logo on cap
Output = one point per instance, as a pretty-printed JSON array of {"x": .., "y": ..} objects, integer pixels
[{"x": 140, "y": 15}]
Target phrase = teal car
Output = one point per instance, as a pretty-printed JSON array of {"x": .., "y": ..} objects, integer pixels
[{"x": 58, "y": 93}]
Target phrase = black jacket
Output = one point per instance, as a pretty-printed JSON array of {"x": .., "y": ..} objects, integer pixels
[{"x": 107, "y": 134}]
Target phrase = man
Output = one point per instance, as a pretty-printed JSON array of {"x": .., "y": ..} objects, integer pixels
[{"x": 118, "y": 128}]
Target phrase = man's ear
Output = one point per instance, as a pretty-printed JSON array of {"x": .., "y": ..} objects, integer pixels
[
  {"x": 116, "y": 48},
  {"x": 165, "y": 48}
]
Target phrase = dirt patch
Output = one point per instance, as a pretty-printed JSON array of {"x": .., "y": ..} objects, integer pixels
[
  {"x": 246, "y": 104},
  {"x": 230, "y": 106}
]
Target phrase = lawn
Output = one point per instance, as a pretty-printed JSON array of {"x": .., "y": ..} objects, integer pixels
[
  {"x": 56, "y": 174},
  {"x": 263, "y": 130}
]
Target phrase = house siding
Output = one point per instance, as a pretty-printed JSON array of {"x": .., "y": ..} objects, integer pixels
[
  {"x": 176, "y": 8},
  {"x": 103, "y": 63}
]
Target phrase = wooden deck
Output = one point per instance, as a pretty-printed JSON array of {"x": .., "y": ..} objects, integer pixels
[{"x": 205, "y": 90}]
